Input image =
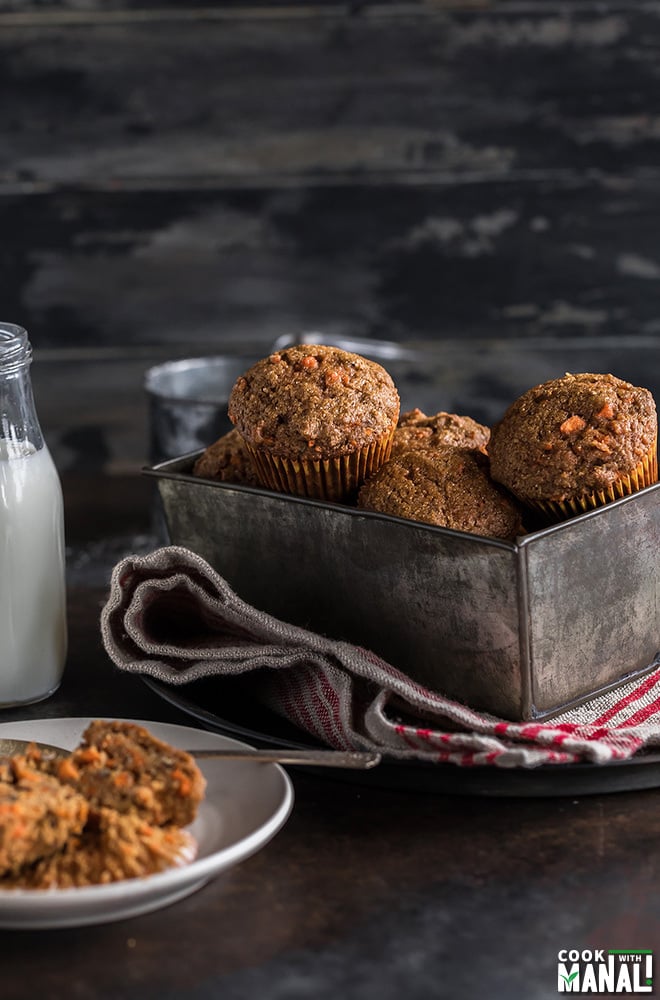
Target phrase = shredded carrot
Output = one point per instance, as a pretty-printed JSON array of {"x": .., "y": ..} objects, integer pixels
[
  {"x": 67, "y": 770},
  {"x": 23, "y": 773},
  {"x": 572, "y": 424},
  {"x": 183, "y": 781}
]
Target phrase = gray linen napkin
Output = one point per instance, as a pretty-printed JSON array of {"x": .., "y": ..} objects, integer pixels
[{"x": 170, "y": 616}]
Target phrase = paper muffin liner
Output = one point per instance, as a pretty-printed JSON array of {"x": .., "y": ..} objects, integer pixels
[
  {"x": 645, "y": 474},
  {"x": 334, "y": 479}
]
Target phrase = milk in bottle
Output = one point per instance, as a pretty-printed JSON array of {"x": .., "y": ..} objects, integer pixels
[{"x": 33, "y": 635}]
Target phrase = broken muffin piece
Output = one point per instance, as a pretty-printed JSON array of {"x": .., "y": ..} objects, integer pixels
[
  {"x": 120, "y": 765},
  {"x": 38, "y": 814},
  {"x": 111, "y": 847}
]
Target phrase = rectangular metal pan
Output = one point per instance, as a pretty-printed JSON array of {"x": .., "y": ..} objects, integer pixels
[{"x": 520, "y": 629}]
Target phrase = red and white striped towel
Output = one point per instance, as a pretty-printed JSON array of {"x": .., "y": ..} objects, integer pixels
[{"x": 171, "y": 616}]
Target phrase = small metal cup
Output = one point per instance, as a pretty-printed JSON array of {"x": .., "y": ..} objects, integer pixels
[{"x": 188, "y": 402}]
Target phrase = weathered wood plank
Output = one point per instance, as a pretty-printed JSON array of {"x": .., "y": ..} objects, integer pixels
[
  {"x": 98, "y": 11},
  {"x": 502, "y": 259},
  {"x": 417, "y": 97}
]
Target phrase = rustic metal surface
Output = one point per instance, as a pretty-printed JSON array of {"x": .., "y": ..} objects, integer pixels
[
  {"x": 591, "y": 587},
  {"x": 516, "y": 629}
]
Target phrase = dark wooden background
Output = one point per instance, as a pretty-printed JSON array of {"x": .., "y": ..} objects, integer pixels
[{"x": 178, "y": 178}]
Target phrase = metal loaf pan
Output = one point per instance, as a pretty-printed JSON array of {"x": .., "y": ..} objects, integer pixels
[{"x": 520, "y": 629}]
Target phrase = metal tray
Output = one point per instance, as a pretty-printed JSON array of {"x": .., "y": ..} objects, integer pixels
[{"x": 519, "y": 629}]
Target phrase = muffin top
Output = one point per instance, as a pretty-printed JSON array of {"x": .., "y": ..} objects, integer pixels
[
  {"x": 227, "y": 460},
  {"x": 416, "y": 430},
  {"x": 572, "y": 436},
  {"x": 446, "y": 486},
  {"x": 314, "y": 402}
]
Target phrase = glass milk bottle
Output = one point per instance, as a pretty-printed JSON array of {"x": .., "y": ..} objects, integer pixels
[{"x": 33, "y": 635}]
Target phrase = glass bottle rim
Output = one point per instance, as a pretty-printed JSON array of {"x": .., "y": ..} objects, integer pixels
[{"x": 15, "y": 349}]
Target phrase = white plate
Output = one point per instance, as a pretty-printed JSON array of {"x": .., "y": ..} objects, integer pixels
[{"x": 245, "y": 805}]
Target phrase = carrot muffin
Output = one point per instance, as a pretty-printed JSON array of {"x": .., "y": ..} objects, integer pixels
[
  {"x": 120, "y": 765},
  {"x": 416, "y": 430},
  {"x": 316, "y": 420},
  {"x": 446, "y": 486},
  {"x": 37, "y": 814},
  {"x": 227, "y": 461},
  {"x": 576, "y": 442},
  {"x": 111, "y": 847}
]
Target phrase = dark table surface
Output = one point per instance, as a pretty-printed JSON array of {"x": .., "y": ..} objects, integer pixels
[{"x": 367, "y": 891}]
